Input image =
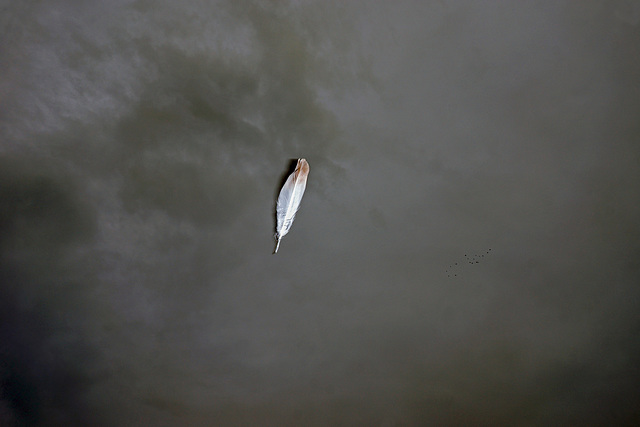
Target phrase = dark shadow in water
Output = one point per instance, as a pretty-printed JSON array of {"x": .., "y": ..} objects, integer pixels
[{"x": 41, "y": 220}]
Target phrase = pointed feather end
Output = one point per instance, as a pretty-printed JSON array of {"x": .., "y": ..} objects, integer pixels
[{"x": 275, "y": 251}]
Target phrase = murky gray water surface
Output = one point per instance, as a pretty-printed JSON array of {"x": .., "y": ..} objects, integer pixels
[{"x": 467, "y": 248}]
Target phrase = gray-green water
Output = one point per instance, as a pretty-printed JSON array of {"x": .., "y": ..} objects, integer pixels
[{"x": 467, "y": 248}]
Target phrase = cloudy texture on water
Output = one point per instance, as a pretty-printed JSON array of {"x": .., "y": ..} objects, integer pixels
[{"x": 467, "y": 251}]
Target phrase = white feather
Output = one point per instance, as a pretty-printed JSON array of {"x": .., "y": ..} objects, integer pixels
[{"x": 289, "y": 200}]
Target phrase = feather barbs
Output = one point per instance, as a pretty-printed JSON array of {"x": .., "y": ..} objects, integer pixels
[{"x": 289, "y": 200}]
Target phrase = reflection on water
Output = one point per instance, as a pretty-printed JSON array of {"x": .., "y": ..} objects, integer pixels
[{"x": 467, "y": 243}]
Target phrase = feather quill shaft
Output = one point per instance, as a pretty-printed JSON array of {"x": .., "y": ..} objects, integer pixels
[{"x": 289, "y": 200}]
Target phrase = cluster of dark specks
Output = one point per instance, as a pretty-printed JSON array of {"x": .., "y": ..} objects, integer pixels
[{"x": 454, "y": 268}]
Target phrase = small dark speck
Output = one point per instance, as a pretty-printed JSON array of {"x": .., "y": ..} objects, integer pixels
[
  {"x": 456, "y": 263},
  {"x": 455, "y": 274},
  {"x": 477, "y": 262}
]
